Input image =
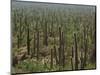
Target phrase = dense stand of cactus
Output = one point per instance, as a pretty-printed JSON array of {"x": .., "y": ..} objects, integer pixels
[{"x": 47, "y": 36}]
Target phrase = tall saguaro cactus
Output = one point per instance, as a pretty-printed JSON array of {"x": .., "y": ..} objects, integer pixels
[
  {"x": 72, "y": 58},
  {"x": 28, "y": 40},
  {"x": 18, "y": 45},
  {"x": 51, "y": 65},
  {"x": 55, "y": 53},
  {"x": 19, "y": 34},
  {"x": 76, "y": 53},
  {"x": 59, "y": 47},
  {"x": 85, "y": 47},
  {"x": 63, "y": 55},
  {"x": 45, "y": 34},
  {"x": 85, "y": 56},
  {"x": 82, "y": 60},
  {"x": 34, "y": 42},
  {"x": 34, "y": 47},
  {"x": 37, "y": 45}
]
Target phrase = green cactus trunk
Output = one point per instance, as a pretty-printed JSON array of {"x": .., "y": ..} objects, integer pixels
[
  {"x": 28, "y": 41},
  {"x": 20, "y": 33},
  {"x": 85, "y": 47},
  {"x": 18, "y": 43},
  {"x": 59, "y": 47},
  {"x": 51, "y": 65},
  {"x": 85, "y": 54},
  {"x": 72, "y": 59},
  {"x": 34, "y": 47},
  {"x": 63, "y": 55},
  {"x": 76, "y": 53},
  {"x": 55, "y": 53},
  {"x": 37, "y": 45},
  {"x": 82, "y": 66},
  {"x": 45, "y": 35}
]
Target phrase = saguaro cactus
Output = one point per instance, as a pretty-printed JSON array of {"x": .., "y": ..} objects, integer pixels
[
  {"x": 20, "y": 32},
  {"x": 63, "y": 55},
  {"x": 37, "y": 45},
  {"x": 59, "y": 46},
  {"x": 34, "y": 47},
  {"x": 45, "y": 35},
  {"x": 76, "y": 53},
  {"x": 55, "y": 54},
  {"x": 28, "y": 40},
  {"x": 15, "y": 21},
  {"x": 72, "y": 58},
  {"x": 61, "y": 49},
  {"x": 85, "y": 47},
  {"x": 18, "y": 45},
  {"x": 51, "y": 65},
  {"x": 34, "y": 41},
  {"x": 85, "y": 56},
  {"x": 82, "y": 60}
]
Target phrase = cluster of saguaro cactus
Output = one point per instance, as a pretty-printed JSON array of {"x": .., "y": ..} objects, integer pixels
[
  {"x": 83, "y": 51},
  {"x": 46, "y": 32},
  {"x": 60, "y": 57}
]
